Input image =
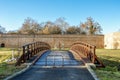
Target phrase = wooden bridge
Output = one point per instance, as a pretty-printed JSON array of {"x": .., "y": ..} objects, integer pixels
[
  {"x": 80, "y": 50},
  {"x": 31, "y": 49},
  {"x": 56, "y": 64}
]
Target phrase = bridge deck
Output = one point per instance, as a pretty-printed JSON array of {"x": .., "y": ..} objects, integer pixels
[
  {"x": 56, "y": 58},
  {"x": 55, "y": 74}
]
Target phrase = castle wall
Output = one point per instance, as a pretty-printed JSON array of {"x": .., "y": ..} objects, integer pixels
[{"x": 53, "y": 40}]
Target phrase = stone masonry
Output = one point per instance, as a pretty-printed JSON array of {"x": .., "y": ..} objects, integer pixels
[{"x": 54, "y": 40}]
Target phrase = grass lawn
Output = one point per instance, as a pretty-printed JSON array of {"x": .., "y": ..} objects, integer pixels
[
  {"x": 7, "y": 68},
  {"x": 6, "y": 53},
  {"x": 111, "y": 59}
]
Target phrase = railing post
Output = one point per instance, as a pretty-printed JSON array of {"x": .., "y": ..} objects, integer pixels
[
  {"x": 23, "y": 58},
  {"x": 28, "y": 52},
  {"x": 32, "y": 52},
  {"x": 33, "y": 48},
  {"x": 94, "y": 48},
  {"x": 39, "y": 46}
]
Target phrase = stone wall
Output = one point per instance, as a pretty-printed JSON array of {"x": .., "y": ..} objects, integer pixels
[
  {"x": 112, "y": 40},
  {"x": 53, "y": 40}
]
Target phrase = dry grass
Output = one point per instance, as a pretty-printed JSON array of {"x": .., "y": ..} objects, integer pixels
[{"x": 6, "y": 53}]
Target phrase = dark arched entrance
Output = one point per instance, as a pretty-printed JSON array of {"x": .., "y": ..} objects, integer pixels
[{"x": 2, "y": 45}]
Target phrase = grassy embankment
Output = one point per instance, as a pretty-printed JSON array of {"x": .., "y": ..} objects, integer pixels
[
  {"x": 7, "y": 68},
  {"x": 111, "y": 59}
]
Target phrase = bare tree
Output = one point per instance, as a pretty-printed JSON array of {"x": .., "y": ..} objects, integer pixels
[
  {"x": 73, "y": 30},
  {"x": 62, "y": 24},
  {"x": 2, "y": 30},
  {"x": 47, "y": 25},
  {"x": 83, "y": 28},
  {"x": 55, "y": 30},
  {"x": 46, "y": 30},
  {"x": 91, "y": 27},
  {"x": 12, "y": 32},
  {"x": 118, "y": 30},
  {"x": 30, "y": 26}
]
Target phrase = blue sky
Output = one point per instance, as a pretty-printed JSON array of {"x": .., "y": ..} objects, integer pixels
[{"x": 105, "y": 12}]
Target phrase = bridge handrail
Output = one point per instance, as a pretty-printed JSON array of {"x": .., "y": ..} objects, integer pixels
[
  {"x": 31, "y": 49},
  {"x": 87, "y": 50}
]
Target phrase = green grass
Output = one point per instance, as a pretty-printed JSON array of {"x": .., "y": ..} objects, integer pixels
[
  {"x": 4, "y": 54},
  {"x": 5, "y": 49},
  {"x": 111, "y": 59},
  {"x": 7, "y": 68}
]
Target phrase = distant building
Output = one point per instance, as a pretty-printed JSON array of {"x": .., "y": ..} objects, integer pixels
[{"x": 112, "y": 40}]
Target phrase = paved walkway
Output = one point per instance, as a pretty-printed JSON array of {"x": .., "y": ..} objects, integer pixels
[
  {"x": 54, "y": 59},
  {"x": 58, "y": 58},
  {"x": 55, "y": 74}
]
